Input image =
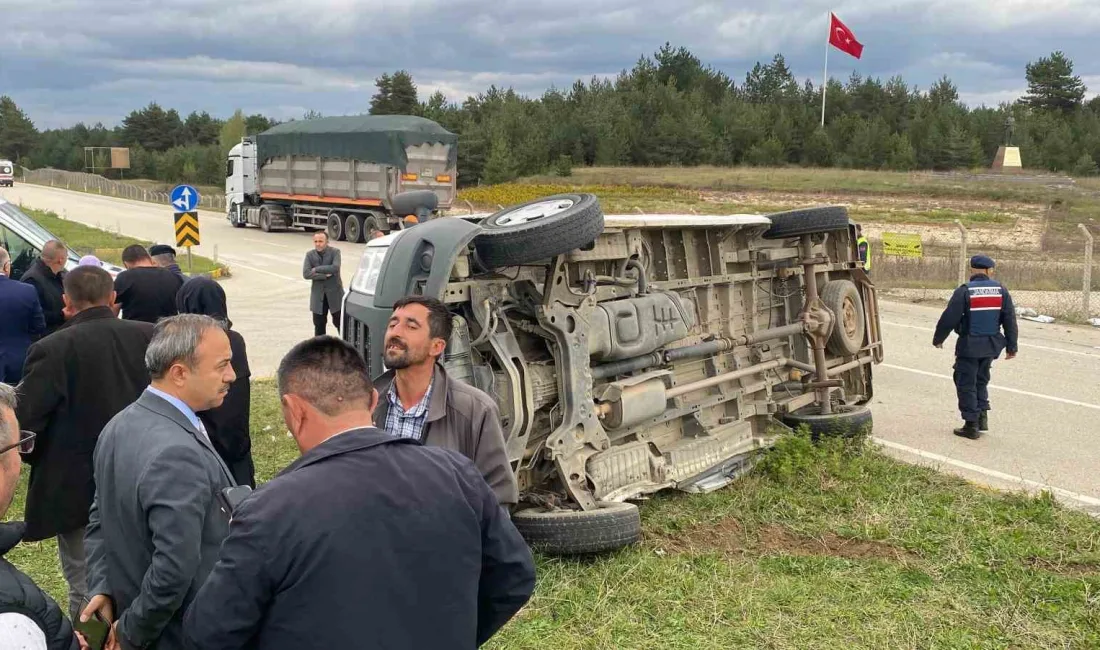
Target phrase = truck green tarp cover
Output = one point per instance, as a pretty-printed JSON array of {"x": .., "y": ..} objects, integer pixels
[{"x": 370, "y": 138}]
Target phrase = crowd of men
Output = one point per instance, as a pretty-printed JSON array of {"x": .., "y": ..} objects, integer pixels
[{"x": 130, "y": 401}]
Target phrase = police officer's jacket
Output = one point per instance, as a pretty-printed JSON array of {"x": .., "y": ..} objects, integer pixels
[{"x": 977, "y": 312}]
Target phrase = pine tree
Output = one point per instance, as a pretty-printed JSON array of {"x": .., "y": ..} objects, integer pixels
[
  {"x": 1052, "y": 85},
  {"x": 500, "y": 167}
]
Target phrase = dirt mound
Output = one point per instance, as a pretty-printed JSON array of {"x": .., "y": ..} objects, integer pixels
[{"x": 730, "y": 537}]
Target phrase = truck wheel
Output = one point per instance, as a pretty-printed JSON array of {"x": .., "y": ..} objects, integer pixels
[
  {"x": 265, "y": 219},
  {"x": 845, "y": 421},
  {"x": 373, "y": 225},
  {"x": 842, "y": 297},
  {"x": 807, "y": 221},
  {"x": 335, "y": 227},
  {"x": 576, "y": 532},
  {"x": 353, "y": 228},
  {"x": 538, "y": 230}
]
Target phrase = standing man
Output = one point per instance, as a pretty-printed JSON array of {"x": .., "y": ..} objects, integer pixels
[
  {"x": 155, "y": 526},
  {"x": 29, "y": 618},
  {"x": 419, "y": 401},
  {"x": 45, "y": 275},
  {"x": 322, "y": 266},
  {"x": 77, "y": 380},
  {"x": 22, "y": 322},
  {"x": 165, "y": 257},
  {"x": 145, "y": 291},
  {"x": 228, "y": 424},
  {"x": 367, "y": 540},
  {"x": 864, "y": 248},
  {"x": 977, "y": 312}
]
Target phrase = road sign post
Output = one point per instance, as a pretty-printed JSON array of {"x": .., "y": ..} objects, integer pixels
[{"x": 185, "y": 201}]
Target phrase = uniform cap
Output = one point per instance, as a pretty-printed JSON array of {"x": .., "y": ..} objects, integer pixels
[
  {"x": 161, "y": 249},
  {"x": 981, "y": 262}
]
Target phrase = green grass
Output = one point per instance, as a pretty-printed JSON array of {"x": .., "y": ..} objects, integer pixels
[
  {"x": 656, "y": 199},
  {"x": 820, "y": 547},
  {"x": 104, "y": 244},
  {"x": 833, "y": 181}
]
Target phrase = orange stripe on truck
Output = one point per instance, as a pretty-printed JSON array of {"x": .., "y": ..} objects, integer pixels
[{"x": 319, "y": 199}]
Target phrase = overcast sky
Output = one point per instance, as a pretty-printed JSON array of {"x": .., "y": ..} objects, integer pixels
[{"x": 65, "y": 61}]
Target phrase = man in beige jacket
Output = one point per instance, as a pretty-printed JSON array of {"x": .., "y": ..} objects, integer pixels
[{"x": 418, "y": 400}]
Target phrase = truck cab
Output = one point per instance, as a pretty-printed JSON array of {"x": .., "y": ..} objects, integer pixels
[
  {"x": 240, "y": 176},
  {"x": 629, "y": 354}
]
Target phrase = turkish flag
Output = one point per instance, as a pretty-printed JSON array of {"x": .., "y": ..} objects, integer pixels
[{"x": 843, "y": 39}]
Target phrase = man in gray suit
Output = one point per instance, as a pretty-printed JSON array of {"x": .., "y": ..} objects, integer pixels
[
  {"x": 322, "y": 266},
  {"x": 156, "y": 525}
]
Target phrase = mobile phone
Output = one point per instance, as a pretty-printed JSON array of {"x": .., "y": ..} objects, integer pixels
[
  {"x": 95, "y": 631},
  {"x": 231, "y": 497}
]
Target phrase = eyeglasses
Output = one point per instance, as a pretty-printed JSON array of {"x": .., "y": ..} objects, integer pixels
[{"x": 25, "y": 444}]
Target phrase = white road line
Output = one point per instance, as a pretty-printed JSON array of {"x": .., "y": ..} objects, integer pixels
[
  {"x": 265, "y": 242},
  {"x": 281, "y": 259},
  {"x": 992, "y": 387},
  {"x": 253, "y": 268},
  {"x": 1022, "y": 345},
  {"x": 1084, "y": 499}
]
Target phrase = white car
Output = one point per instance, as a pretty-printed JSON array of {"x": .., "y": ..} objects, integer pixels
[
  {"x": 24, "y": 238},
  {"x": 7, "y": 173}
]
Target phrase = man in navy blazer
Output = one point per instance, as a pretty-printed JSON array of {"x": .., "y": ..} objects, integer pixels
[{"x": 22, "y": 323}]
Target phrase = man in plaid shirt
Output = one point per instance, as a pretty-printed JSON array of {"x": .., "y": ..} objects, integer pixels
[{"x": 423, "y": 403}]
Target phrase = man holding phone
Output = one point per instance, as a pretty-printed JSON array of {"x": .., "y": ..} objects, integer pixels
[
  {"x": 156, "y": 523},
  {"x": 365, "y": 536}
]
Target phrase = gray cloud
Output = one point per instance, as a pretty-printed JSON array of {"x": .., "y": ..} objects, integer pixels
[{"x": 95, "y": 60}]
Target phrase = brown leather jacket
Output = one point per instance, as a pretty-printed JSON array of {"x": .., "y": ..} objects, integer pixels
[{"x": 465, "y": 419}]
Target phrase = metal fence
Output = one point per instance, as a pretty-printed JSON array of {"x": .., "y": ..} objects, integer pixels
[
  {"x": 1044, "y": 286},
  {"x": 95, "y": 184}
]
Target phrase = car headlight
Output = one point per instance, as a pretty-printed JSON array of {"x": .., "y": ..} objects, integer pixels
[{"x": 370, "y": 266}]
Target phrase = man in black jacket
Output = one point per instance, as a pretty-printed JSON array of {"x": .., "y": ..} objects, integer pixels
[
  {"x": 30, "y": 618},
  {"x": 46, "y": 275},
  {"x": 367, "y": 540},
  {"x": 75, "y": 382}
]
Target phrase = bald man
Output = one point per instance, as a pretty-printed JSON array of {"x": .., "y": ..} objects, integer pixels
[{"x": 46, "y": 276}]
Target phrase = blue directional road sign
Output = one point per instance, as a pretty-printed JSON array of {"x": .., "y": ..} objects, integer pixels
[{"x": 184, "y": 198}]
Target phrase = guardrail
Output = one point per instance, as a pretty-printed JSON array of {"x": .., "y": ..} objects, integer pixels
[{"x": 95, "y": 184}]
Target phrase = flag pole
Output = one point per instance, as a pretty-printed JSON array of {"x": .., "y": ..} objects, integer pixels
[{"x": 825, "y": 76}]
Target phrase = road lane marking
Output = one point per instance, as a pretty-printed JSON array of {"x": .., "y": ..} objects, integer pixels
[
  {"x": 233, "y": 263},
  {"x": 261, "y": 241},
  {"x": 1022, "y": 345},
  {"x": 992, "y": 387},
  {"x": 1084, "y": 499}
]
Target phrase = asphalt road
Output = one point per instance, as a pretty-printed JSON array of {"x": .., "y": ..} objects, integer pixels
[{"x": 1046, "y": 403}]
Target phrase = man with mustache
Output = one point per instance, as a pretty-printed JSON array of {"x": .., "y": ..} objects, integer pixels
[
  {"x": 155, "y": 525},
  {"x": 420, "y": 401}
]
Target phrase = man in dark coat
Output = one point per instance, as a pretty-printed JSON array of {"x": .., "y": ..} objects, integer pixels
[
  {"x": 367, "y": 540},
  {"x": 156, "y": 524},
  {"x": 46, "y": 275},
  {"x": 977, "y": 312},
  {"x": 322, "y": 267},
  {"x": 165, "y": 256},
  {"x": 22, "y": 322},
  {"x": 145, "y": 291},
  {"x": 77, "y": 380},
  {"x": 26, "y": 612},
  {"x": 228, "y": 424}
]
